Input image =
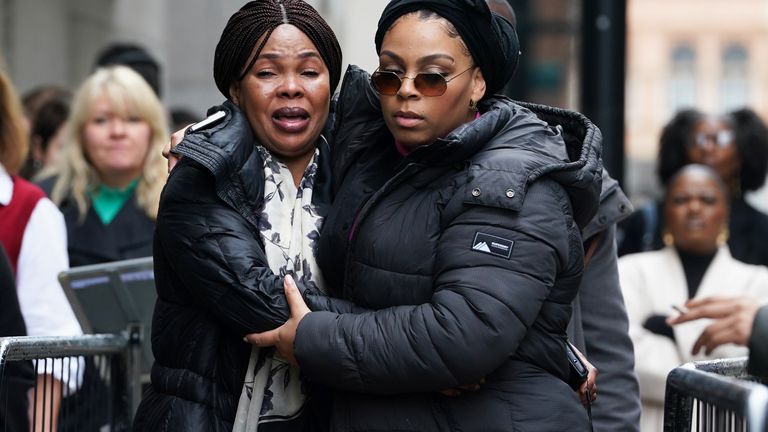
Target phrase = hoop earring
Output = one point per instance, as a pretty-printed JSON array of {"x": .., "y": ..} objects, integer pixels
[
  {"x": 722, "y": 238},
  {"x": 668, "y": 239},
  {"x": 473, "y": 105}
]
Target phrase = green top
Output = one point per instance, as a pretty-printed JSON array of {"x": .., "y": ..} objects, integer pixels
[{"x": 108, "y": 201}]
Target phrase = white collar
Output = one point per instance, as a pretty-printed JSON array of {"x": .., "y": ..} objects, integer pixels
[{"x": 6, "y": 187}]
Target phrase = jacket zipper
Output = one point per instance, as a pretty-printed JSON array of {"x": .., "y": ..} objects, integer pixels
[{"x": 388, "y": 186}]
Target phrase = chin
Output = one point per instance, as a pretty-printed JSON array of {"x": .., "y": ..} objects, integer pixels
[{"x": 409, "y": 141}]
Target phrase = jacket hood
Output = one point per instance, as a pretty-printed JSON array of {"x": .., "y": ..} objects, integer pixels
[{"x": 524, "y": 142}]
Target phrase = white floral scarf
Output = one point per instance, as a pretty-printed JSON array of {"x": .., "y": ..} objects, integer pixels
[{"x": 290, "y": 227}]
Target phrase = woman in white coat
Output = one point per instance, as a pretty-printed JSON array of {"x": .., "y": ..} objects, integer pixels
[{"x": 695, "y": 263}]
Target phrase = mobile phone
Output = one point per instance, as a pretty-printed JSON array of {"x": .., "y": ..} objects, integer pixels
[
  {"x": 579, "y": 372},
  {"x": 680, "y": 309},
  {"x": 208, "y": 121}
]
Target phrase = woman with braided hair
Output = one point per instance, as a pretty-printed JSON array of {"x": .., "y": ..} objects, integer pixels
[{"x": 242, "y": 209}]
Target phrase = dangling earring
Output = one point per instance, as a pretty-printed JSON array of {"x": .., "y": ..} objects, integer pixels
[
  {"x": 668, "y": 239},
  {"x": 722, "y": 238},
  {"x": 473, "y": 105}
]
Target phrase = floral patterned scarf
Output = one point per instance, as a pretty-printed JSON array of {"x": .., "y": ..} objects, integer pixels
[{"x": 290, "y": 227}]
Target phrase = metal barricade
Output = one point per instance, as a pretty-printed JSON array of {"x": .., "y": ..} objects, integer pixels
[
  {"x": 89, "y": 382},
  {"x": 715, "y": 395}
]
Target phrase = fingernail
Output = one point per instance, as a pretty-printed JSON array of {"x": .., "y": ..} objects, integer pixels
[
  {"x": 245, "y": 339},
  {"x": 289, "y": 279}
]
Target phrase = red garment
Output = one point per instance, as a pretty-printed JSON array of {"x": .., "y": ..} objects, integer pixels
[{"x": 15, "y": 216}]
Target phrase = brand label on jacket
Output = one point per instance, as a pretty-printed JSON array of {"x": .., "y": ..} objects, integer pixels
[{"x": 493, "y": 245}]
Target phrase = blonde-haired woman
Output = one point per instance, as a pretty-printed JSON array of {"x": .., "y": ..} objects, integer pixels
[{"x": 109, "y": 178}]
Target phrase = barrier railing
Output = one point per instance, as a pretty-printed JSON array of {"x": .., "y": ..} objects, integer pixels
[
  {"x": 715, "y": 395},
  {"x": 89, "y": 382}
]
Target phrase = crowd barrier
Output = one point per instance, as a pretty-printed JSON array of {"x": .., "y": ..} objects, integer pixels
[
  {"x": 715, "y": 395},
  {"x": 89, "y": 382}
]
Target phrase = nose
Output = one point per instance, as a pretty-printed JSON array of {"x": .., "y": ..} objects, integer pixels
[
  {"x": 291, "y": 87},
  {"x": 117, "y": 126},
  {"x": 710, "y": 146},
  {"x": 407, "y": 88},
  {"x": 694, "y": 205}
]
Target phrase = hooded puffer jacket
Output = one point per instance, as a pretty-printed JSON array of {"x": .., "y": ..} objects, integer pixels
[{"x": 469, "y": 250}]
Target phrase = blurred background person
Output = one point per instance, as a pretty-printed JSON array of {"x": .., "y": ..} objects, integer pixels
[
  {"x": 107, "y": 181},
  {"x": 735, "y": 146},
  {"x": 135, "y": 57},
  {"x": 39, "y": 96},
  {"x": 182, "y": 117},
  {"x": 695, "y": 263},
  {"x": 46, "y": 136},
  {"x": 33, "y": 236}
]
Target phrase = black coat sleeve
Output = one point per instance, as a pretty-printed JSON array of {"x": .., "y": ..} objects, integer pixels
[
  {"x": 758, "y": 344},
  {"x": 607, "y": 343},
  {"x": 481, "y": 309},
  {"x": 217, "y": 256}
]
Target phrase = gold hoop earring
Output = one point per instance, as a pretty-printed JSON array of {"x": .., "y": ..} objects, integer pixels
[
  {"x": 473, "y": 105},
  {"x": 722, "y": 238},
  {"x": 668, "y": 239}
]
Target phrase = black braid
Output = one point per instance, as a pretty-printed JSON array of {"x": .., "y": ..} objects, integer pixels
[{"x": 235, "y": 53}]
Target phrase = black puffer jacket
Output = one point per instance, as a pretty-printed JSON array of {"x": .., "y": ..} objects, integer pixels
[
  {"x": 470, "y": 251},
  {"x": 213, "y": 282}
]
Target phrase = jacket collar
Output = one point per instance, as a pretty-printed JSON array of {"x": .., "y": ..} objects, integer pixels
[{"x": 226, "y": 148}]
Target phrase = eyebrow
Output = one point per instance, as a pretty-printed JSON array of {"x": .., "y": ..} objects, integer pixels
[
  {"x": 302, "y": 55},
  {"x": 423, "y": 60}
]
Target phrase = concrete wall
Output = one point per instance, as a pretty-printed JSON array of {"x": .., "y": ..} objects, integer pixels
[{"x": 56, "y": 41}]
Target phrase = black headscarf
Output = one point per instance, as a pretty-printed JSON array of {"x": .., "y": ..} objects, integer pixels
[{"x": 491, "y": 38}]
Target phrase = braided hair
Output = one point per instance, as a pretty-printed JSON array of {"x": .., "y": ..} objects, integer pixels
[{"x": 257, "y": 19}]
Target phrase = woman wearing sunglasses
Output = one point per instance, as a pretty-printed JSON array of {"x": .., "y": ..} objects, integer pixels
[{"x": 456, "y": 220}]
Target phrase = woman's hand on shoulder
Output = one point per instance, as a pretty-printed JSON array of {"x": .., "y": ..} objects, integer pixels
[{"x": 176, "y": 138}]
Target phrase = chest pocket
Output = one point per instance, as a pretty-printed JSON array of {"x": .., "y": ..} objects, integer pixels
[{"x": 494, "y": 188}]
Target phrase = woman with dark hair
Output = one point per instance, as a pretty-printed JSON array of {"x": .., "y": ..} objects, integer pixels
[
  {"x": 736, "y": 147},
  {"x": 242, "y": 209},
  {"x": 47, "y": 136},
  {"x": 695, "y": 264},
  {"x": 456, "y": 218}
]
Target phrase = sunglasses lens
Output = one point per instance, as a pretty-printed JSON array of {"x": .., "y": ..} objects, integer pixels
[
  {"x": 430, "y": 84},
  {"x": 386, "y": 83}
]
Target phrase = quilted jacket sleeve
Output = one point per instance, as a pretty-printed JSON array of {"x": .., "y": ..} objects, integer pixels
[
  {"x": 217, "y": 257},
  {"x": 215, "y": 254},
  {"x": 481, "y": 309}
]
